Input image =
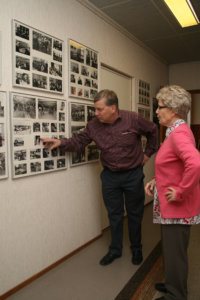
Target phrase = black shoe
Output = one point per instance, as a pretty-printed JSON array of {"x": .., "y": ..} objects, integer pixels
[
  {"x": 161, "y": 298},
  {"x": 137, "y": 257},
  {"x": 160, "y": 287},
  {"x": 108, "y": 258}
]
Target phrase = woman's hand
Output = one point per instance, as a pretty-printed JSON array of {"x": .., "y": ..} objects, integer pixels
[
  {"x": 149, "y": 187},
  {"x": 51, "y": 143},
  {"x": 171, "y": 194}
]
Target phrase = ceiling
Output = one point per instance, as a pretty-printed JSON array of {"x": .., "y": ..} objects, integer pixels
[{"x": 152, "y": 23}]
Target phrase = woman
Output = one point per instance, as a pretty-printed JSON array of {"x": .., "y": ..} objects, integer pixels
[{"x": 176, "y": 189}]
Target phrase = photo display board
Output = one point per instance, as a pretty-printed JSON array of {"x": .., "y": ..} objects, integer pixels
[
  {"x": 37, "y": 59},
  {"x": 83, "y": 71},
  {"x": 144, "y": 93},
  {"x": 144, "y": 99},
  {"x": 80, "y": 115},
  {"x": 33, "y": 117},
  {"x": 3, "y": 137},
  {"x": 0, "y": 59}
]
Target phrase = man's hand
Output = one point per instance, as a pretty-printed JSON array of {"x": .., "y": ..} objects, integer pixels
[{"x": 51, "y": 143}]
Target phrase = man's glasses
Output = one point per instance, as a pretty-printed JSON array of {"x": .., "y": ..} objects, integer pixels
[{"x": 162, "y": 106}]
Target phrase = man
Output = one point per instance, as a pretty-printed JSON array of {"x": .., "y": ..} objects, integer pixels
[{"x": 117, "y": 133}]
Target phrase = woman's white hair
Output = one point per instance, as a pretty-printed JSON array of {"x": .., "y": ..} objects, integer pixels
[{"x": 175, "y": 98}]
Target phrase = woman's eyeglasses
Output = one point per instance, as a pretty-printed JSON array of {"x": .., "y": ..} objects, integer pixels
[{"x": 162, "y": 106}]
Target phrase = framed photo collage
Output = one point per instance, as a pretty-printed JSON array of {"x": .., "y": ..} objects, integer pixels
[
  {"x": 79, "y": 115},
  {"x": 33, "y": 117},
  {"x": 38, "y": 65},
  {"x": 144, "y": 99},
  {"x": 83, "y": 71}
]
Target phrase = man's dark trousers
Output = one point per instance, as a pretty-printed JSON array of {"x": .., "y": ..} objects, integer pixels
[{"x": 117, "y": 187}]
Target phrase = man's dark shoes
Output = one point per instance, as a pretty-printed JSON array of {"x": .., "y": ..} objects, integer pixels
[
  {"x": 161, "y": 298},
  {"x": 108, "y": 258},
  {"x": 137, "y": 257},
  {"x": 160, "y": 287}
]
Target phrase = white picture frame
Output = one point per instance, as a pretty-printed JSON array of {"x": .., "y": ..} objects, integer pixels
[
  {"x": 3, "y": 136},
  {"x": 144, "y": 93},
  {"x": 37, "y": 59},
  {"x": 0, "y": 58},
  {"x": 83, "y": 71},
  {"x": 33, "y": 117},
  {"x": 79, "y": 115}
]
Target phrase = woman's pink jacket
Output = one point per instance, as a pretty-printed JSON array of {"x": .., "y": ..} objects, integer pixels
[{"x": 177, "y": 165}]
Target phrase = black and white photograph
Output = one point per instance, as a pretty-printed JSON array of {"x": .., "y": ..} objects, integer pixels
[
  {"x": 18, "y": 142},
  {"x": 83, "y": 72},
  {"x": 42, "y": 42},
  {"x": 54, "y": 127},
  {"x": 77, "y": 52},
  {"x": 79, "y": 115},
  {"x": 47, "y": 109},
  {"x": 36, "y": 127},
  {"x": 36, "y": 167},
  {"x": 48, "y": 165},
  {"x": 20, "y": 169},
  {"x": 2, "y": 165},
  {"x": 61, "y": 116},
  {"x": 22, "y": 47},
  {"x": 24, "y": 107},
  {"x": 78, "y": 112},
  {"x": 92, "y": 152},
  {"x": 22, "y": 129},
  {"x": 61, "y": 163},
  {"x": 33, "y": 117},
  {"x": 22, "y": 31},
  {"x": 144, "y": 112},
  {"x": 55, "y": 84},
  {"x": 57, "y": 45},
  {"x": 2, "y": 135},
  {"x": 22, "y": 63},
  {"x": 40, "y": 65},
  {"x": 37, "y": 59},
  {"x": 20, "y": 155},
  {"x": 90, "y": 113},
  {"x": 22, "y": 79},
  {"x": 1, "y": 106},
  {"x": 39, "y": 81},
  {"x": 78, "y": 157},
  {"x": 35, "y": 154},
  {"x": 57, "y": 56}
]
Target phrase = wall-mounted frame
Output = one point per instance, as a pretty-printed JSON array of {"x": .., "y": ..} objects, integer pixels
[
  {"x": 3, "y": 136},
  {"x": 79, "y": 115},
  {"x": 144, "y": 93},
  {"x": 144, "y": 112},
  {"x": 33, "y": 117},
  {"x": 83, "y": 71},
  {"x": 37, "y": 59},
  {"x": 0, "y": 58}
]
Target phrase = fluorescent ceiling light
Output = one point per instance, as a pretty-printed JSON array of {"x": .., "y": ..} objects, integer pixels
[{"x": 183, "y": 11}]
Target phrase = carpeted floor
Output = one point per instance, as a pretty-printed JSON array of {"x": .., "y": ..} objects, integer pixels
[{"x": 141, "y": 285}]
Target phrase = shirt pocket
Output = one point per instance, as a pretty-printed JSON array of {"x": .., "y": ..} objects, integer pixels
[{"x": 126, "y": 138}]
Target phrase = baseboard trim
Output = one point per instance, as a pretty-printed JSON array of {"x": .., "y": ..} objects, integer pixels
[{"x": 41, "y": 273}]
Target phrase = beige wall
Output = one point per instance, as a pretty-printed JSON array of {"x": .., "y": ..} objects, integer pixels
[
  {"x": 186, "y": 75},
  {"x": 196, "y": 109},
  {"x": 45, "y": 217}
]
